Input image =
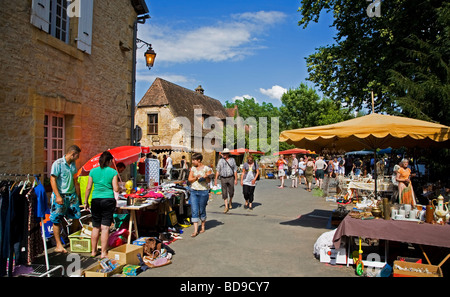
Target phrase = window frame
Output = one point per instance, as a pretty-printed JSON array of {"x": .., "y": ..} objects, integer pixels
[
  {"x": 54, "y": 28},
  {"x": 155, "y": 125},
  {"x": 49, "y": 139}
]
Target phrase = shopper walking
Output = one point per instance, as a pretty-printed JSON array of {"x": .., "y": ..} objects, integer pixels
[
  {"x": 321, "y": 166},
  {"x": 301, "y": 170},
  {"x": 227, "y": 170},
  {"x": 281, "y": 165},
  {"x": 294, "y": 171},
  {"x": 65, "y": 196},
  {"x": 184, "y": 168},
  {"x": 168, "y": 167},
  {"x": 309, "y": 173},
  {"x": 199, "y": 177},
  {"x": 105, "y": 181},
  {"x": 249, "y": 176}
]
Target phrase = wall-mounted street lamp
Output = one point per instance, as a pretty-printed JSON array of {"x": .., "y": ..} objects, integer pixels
[
  {"x": 149, "y": 60},
  {"x": 149, "y": 55}
]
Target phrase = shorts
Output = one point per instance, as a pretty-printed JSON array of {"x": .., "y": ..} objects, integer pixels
[
  {"x": 320, "y": 173},
  {"x": 102, "y": 210},
  {"x": 69, "y": 209},
  {"x": 227, "y": 185},
  {"x": 281, "y": 173}
]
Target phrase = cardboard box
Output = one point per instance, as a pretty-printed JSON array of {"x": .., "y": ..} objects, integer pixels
[
  {"x": 408, "y": 269},
  {"x": 92, "y": 271},
  {"x": 126, "y": 254}
]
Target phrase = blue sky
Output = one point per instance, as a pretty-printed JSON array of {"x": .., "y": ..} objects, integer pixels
[{"x": 234, "y": 49}]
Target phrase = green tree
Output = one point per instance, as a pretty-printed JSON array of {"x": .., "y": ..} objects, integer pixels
[
  {"x": 303, "y": 107},
  {"x": 250, "y": 108},
  {"x": 403, "y": 56}
]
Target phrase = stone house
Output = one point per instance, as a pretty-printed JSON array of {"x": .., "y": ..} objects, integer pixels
[
  {"x": 66, "y": 79},
  {"x": 165, "y": 102}
]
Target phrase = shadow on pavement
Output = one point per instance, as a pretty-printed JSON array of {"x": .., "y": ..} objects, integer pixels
[
  {"x": 316, "y": 219},
  {"x": 212, "y": 223}
]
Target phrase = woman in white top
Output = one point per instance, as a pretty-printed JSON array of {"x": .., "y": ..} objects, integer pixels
[
  {"x": 199, "y": 177},
  {"x": 249, "y": 176}
]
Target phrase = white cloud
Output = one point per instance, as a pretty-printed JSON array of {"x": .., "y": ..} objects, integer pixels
[
  {"x": 275, "y": 92},
  {"x": 233, "y": 39},
  {"x": 243, "y": 97}
]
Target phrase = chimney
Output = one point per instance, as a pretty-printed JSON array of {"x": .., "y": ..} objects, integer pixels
[{"x": 199, "y": 90}]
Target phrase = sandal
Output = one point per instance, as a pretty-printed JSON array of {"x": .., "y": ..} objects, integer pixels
[
  {"x": 226, "y": 210},
  {"x": 194, "y": 234}
]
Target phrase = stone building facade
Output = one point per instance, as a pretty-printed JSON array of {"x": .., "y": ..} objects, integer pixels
[
  {"x": 163, "y": 103},
  {"x": 66, "y": 79}
]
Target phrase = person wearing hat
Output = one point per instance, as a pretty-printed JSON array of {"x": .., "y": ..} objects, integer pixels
[{"x": 227, "y": 170}]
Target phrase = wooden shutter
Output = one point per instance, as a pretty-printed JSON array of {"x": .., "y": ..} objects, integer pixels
[
  {"x": 84, "y": 38},
  {"x": 40, "y": 14}
]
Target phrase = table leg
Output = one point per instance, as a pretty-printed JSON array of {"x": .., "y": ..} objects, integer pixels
[
  {"x": 130, "y": 227},
  {"x": 135, "y": 224},
  {"x": 348, "y": 251}
]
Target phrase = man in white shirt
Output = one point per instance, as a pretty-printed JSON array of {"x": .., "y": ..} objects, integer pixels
[
  {"x": 321, "y": 165},
  {"x": 169, "y": 166}
]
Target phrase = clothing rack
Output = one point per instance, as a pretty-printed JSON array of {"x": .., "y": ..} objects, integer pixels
[{"x": 38, "y": 270}]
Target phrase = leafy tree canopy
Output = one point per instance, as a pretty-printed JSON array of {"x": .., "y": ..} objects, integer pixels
[{"x": 403, "y": 56}]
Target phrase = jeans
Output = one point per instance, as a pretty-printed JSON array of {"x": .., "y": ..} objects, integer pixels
[{"x": 199, "y": 199}]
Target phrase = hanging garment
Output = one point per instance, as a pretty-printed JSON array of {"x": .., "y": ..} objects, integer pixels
[
  {"x": 41, "y": 201},
  {"x": 7, "y": 249},
  {"x": 32, "y": 244},
  {"x": 4, "y": 227}
]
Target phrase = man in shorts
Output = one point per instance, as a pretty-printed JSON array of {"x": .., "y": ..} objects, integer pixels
[
  {"x": 64, "y": 199},
  {"x": 321, "y": 166}
]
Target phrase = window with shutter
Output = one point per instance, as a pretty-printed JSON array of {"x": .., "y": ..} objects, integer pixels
[
  {"x": 53, "y": 16},
  {"x": 84, "y": 37},
  {"x": 40, "y": 14},
  {"x": 59, "y": 21}
]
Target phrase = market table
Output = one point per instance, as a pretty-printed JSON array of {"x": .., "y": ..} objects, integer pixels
[
  {"x": 132, "y": 209},
  {"x": 393, "y": 230},
  {"x": 402, "y": 231},
  {"x": 370, "y": 186}
]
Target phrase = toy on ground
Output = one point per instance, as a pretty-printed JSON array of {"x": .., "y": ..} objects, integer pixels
[{"x": 359, "y": 263}]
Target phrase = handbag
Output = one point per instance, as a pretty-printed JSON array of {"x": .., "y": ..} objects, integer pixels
[
  {"x": 155, "y": 260},
  {"x": 259, "y": 175}
]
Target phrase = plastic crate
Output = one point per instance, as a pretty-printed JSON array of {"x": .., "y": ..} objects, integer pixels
[{"x": 80, "y": 243}]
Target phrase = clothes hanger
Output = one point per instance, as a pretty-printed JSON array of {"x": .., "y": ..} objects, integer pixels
[{"x": 25, "y": 183}]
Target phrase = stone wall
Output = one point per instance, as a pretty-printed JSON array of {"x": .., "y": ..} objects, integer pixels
[
  {"x": 166, "y": 133},
  {"x": 43, "y": 74}
]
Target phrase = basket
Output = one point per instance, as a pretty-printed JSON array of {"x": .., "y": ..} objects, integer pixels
[{"x": 80, "y": 243}]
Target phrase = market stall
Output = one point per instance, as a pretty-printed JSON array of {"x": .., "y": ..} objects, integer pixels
[
  {"x": 373, "y": 131},
  {"x": 360, "y": 186}
]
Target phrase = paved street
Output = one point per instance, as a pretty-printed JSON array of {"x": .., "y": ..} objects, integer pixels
[{"x": 274, "y": 239}]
